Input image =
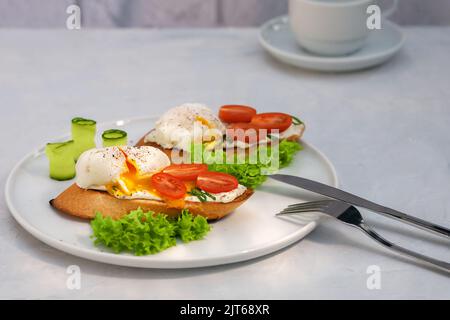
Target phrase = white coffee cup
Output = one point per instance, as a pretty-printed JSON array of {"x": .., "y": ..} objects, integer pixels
[{"x": 331, "y": 27}]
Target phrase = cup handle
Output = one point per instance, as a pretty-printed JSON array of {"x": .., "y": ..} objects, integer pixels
[{"x": 389, "y": 11}]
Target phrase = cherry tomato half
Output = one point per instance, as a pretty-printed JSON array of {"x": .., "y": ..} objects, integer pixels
[
  {"x": 216, "y": 182},
  {"x": 272, "y": 121},
  {"x": 185, "y": 171},
  {"x": 168, "y": 185},
  {"x": 236, "y": 113}
]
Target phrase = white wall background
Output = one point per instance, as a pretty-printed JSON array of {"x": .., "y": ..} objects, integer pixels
[{"x": 182, "y": 13}]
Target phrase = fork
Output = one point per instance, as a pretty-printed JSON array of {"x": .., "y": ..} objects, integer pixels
[{"x": 349, "y": 215}]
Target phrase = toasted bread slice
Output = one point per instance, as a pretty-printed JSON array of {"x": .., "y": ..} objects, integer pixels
[{"x": 85, "y": 203}]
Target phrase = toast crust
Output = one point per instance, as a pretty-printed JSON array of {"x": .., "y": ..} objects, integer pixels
[{"x": 85, "y": 204}]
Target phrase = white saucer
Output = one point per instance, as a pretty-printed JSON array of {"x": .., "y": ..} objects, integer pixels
[{"x": 277, "y": 38}]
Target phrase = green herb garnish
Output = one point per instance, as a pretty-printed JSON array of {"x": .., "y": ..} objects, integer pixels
[
  {"x": 146, "y": 232},
  {"x": 296, "y": 120},
  {"x": 201, "y": 195}
]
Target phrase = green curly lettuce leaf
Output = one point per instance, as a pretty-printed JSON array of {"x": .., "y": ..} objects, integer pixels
[
  {"x": 146, "y": 233},
  {"x": 287, "y": 151},
  {"x": 250, "y": 174},
  {"x": 189, "y": 228}
]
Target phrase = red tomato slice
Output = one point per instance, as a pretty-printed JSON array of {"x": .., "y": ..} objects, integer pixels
[
  {"x": 168, "y": 185},
  {"x": 272, "y": 121},
  {"x": 216, "y": 182},
  {"x": 185, "y": 171},
  {"x": 248, "y": 128},
  {"x": 236, "y": 113}
]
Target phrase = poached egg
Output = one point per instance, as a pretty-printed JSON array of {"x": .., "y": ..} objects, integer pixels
[
  {"x": 124, "y": 172},
  {"x": 182, "y": 125}
]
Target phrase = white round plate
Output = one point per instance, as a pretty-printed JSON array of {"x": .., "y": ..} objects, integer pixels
[
  {"x": 251, "y": 231},
  {"x": 277, "y": 38}
]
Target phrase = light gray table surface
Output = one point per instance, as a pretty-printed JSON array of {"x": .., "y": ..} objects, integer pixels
[{"x": 386, "y": 130}]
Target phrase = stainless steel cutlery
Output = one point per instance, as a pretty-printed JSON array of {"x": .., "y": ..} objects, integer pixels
[
  {"x": 343, "y": 210},
  {"x": 348, "y": 214},
  {"x": 347, "y": 197}
]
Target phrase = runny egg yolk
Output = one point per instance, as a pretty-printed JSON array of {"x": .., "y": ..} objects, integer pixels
[
  {"x": 131, "y": 182},
  {"x": 211, "y": 142},
  {"x": 204, "y": 122}
]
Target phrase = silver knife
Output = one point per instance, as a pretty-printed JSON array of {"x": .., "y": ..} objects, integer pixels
[{"x": 338, "y": 194}]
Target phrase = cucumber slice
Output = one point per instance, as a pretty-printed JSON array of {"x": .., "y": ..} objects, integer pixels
[
  {"x": 61, "y": 160},
  {"x": 114, "y": 137},
  {"x": 83, "y": 134}
]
